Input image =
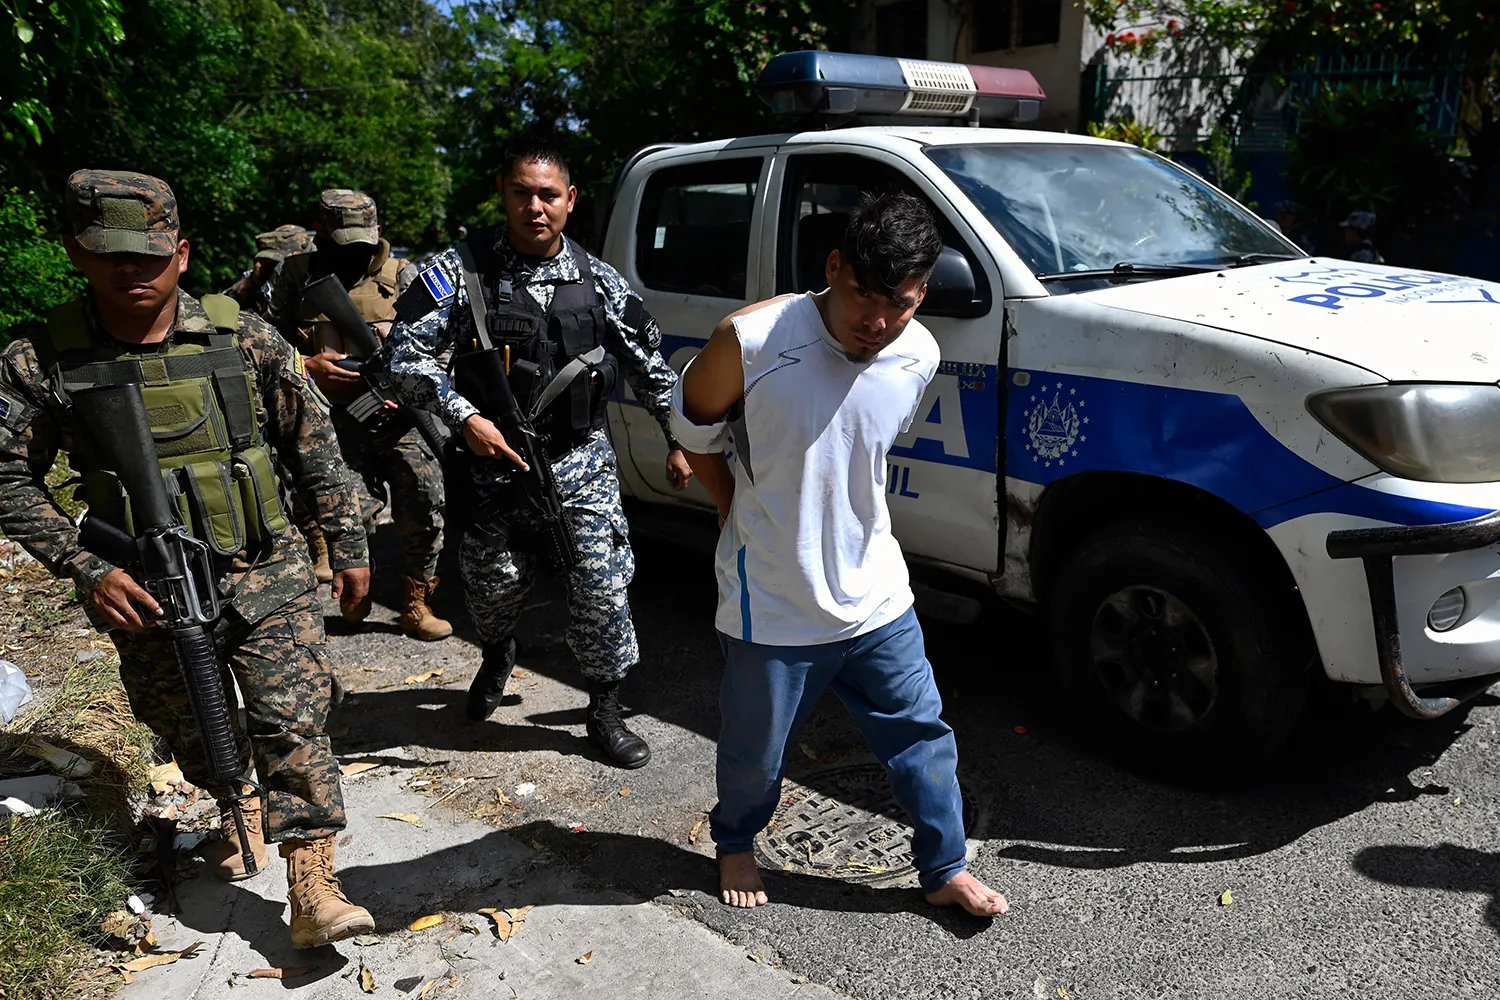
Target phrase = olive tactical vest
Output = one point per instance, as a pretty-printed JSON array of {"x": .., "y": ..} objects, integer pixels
[
  {"x": 201, "y": 399},
  {"x": 374, "y": 296}
]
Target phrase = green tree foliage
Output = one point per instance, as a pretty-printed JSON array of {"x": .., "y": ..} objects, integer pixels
[
  {"x": 1278, "y": 29},
  {"x": 42, "y": 41},
  {"x": 610, "y": 76},
  {"x": 1364, "y": 146},
  {"x": 249, "y": 109},
  {"x": 34, "y": 268}
]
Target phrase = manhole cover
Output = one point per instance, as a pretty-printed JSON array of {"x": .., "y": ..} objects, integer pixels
[{"x": 843, "y": 829}]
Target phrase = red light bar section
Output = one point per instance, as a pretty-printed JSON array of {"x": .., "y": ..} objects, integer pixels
[{"x": 1002, "y": 82}]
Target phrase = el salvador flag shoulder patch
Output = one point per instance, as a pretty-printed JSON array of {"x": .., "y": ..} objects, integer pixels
[{"x": 438, "y": 285}]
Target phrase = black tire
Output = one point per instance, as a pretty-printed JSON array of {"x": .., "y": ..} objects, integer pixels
[{"x": 1181, "y": 648}]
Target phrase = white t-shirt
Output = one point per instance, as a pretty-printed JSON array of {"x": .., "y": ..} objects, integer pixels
[{"x": 807, "y": 555}]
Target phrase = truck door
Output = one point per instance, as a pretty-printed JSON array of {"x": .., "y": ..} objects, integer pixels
[
  {"x": 942, "y": 486},
  {"x": 693, "y": 255}
]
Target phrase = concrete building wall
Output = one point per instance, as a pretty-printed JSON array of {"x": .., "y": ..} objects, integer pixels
[{"x": 1057, "y": 67}]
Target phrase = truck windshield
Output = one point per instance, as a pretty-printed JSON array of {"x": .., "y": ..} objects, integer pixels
[{"x": 1071, "y": 209}]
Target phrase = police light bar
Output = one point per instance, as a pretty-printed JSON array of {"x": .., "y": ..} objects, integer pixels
[{"x": 842, "y": 83}]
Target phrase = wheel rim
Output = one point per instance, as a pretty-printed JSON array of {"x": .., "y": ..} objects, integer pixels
[{"x": 1154, "y": 658}]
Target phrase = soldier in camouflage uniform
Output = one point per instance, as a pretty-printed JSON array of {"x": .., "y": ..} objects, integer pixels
[
  {"x": 536, "y": 282},
  {"x": 260, "y": 408},
  {"x": 270, "y": 249},
  {"x": 392, "y": 450}
]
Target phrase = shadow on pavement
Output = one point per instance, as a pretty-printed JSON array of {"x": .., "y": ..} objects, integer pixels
[
  {"x": 216, "y": 907},
  {"x": 434, "y": 718},
  {"x": 642, "y": 868},
  {"x": 1056, "y": 798},
  {"x": 1448, "y": 867}
]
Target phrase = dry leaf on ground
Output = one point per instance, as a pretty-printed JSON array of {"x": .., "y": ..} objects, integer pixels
[
  {"x": 507, "y": 922},
  {"x": 165, "y": 774},
  {"x": 624, "y": 790},
  {"x": 585, "y": 958},
  {"x": 366, "y": 940},
  {"x": 290, "y": 972},
  {"x": 354, "y": 767},
  {"x": 426, "y": 989},
  {"x": 422, "y": 923},
  {"x": 164, "y": 958},
  {"x": 423, "y": 678},
  {"x": 697, "y": 829},
  {"x": 520, "y": 672},
  {"x": 367, "y": 979},
  {"x": 411, "y": 818}
]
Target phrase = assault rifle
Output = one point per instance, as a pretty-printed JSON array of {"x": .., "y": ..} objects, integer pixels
[
  {"x": 487, "y": 386},
  {"x": 329, "y": 296},
  {"x": 177, "y": 569}
]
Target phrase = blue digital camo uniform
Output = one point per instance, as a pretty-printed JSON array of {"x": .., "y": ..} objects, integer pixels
[{"x": 498, "y": 574}]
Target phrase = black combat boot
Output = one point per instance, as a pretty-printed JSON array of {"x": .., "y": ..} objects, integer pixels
[
  {"x": 488, "y": 686},
  {"x": 607, "y": 729}
]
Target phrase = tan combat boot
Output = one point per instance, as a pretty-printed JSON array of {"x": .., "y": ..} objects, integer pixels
[
  {"x": 417, "y": 620},
  {"x": 321, "y": 913},
  {"x": 317, "y": 547},
  {"x": 227, "y": 856}
]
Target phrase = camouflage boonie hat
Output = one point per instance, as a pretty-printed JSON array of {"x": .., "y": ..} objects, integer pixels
[
  {"x": 282, "y": 242},
  {"x": 348, "y": 216},
  {"x": 116, "y": 211}
]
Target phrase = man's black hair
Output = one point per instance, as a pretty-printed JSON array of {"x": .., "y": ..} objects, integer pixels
[
  {"x": 534, "y": 149},
  {"x": 891, "y": 238}
]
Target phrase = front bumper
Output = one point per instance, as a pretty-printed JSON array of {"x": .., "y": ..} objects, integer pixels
[{"x": 1377, "y": 547}]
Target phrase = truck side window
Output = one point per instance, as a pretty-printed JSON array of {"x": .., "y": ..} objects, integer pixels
[
  {"x": 821, "y": 192},
  {"x": 693, "y": 231}
]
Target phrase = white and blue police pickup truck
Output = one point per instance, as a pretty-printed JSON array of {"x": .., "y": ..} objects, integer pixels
[{"x": 1214, "y": 464}]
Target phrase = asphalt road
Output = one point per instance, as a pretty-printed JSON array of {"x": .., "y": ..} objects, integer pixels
[{"x": 1362, "y": 864}]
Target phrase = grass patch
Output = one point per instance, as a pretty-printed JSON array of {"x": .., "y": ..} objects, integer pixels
[{"x": 62, "y": 871}]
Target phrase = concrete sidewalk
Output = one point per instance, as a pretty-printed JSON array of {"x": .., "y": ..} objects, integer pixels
[{"x": 455, "y": 866}]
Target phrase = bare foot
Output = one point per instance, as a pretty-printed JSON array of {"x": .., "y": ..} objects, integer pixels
[
  {"x": 967, "y": 891},
  {"x": 739, "y": 881}
]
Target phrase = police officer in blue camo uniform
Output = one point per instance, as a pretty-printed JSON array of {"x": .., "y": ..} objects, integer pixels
[
  {"x": 1358, "y": 246},
  {"x": 544, "y": 295}
]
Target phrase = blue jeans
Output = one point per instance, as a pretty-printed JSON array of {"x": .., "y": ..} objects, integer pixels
[{"x": 884, "y": 680}]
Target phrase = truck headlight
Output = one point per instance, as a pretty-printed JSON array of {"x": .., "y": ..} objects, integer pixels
[{"x": 1430, "y": 433}]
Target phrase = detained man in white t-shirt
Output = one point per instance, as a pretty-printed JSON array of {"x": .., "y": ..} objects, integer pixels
[{"x": 808, "y": 393}]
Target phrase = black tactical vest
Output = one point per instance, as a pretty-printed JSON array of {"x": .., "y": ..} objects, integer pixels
[{"x": 571, "y": 326}]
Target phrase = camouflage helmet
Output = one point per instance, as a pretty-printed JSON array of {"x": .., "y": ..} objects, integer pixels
[
  {"x": 348, "y": 216},
  {"x": 117, "y": 211},
  {"x": 282, "y": 242},
  {"x": 1364, "y": 221}
]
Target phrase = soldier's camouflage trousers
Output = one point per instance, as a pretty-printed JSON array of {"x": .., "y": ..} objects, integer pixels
[
  {"x": 393, "y": 453},
  {"x": 283, "y": 672},
  {"x": 499, "y": 568}
]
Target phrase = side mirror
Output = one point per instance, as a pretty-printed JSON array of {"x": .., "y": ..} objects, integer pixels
[{"x": 952, "y": 291}]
